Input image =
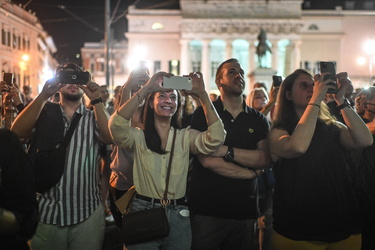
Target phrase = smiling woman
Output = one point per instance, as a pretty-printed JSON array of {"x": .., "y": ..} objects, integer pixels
[{"x": 152, "y": 146}]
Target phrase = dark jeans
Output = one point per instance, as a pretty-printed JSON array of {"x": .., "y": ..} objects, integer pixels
[{"x": 224, "y": 234}]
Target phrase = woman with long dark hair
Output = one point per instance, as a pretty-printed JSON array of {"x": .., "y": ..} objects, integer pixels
[
  {"x": 314, "y": 204},
  {"x": 151, "y": 148}
]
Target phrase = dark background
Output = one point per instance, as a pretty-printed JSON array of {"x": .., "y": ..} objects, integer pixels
[{"x": 81, "y": 21}]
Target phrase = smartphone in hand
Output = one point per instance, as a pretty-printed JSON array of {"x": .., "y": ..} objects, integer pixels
[
  {"x": 8, "y": 78},
  {"x": 177, "y": 82},
  {"x": 329, "y": 67},
  {"x": 276, "y": 81}
]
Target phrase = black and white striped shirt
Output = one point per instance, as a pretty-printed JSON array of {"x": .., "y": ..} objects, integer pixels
[{"x": 77, "y": 195}]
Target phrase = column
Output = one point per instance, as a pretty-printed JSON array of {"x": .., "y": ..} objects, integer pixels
[
  {"x": 205, "y": 64},
  {"x": 184, "y": 57},
  {"x": 296, "y": 54},
  {"x": 228, "y": 49},
  {"x": 252, "y": 64},
  {"x": 275, "y": 55}
]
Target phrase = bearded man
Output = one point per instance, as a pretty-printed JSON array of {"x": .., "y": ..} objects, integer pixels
[{"x": 71, "y": 212}]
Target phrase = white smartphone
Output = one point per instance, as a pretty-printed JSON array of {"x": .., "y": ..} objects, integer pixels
[{"x": 177, "y": 82}]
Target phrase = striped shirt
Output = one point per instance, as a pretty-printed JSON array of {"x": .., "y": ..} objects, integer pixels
[{"x": 77, "y": 195}]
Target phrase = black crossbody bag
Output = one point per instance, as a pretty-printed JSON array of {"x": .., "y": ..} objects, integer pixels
[
  {"x": 49, "y": 164},
  {"x": 150, "y": 224}
]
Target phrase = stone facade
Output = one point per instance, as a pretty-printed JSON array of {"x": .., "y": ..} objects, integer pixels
[
  {"x": 93, "y": 60},
  {"x": 25, "y": 48},
  {"x": 203, "y": 33}
]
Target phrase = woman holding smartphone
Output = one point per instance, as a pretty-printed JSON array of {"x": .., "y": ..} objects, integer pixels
[
  {"x": 314, "y": 205},
  {"x": 151, "y": 147}
]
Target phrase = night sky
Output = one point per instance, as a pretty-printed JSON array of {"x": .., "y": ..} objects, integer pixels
[{"x": 73, "y": 22}]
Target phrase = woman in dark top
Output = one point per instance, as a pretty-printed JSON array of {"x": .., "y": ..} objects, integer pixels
[{"x": 314, "y": 205}]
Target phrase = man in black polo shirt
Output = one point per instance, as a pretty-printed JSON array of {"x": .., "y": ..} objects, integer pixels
[{"x": 221, "y": 192}]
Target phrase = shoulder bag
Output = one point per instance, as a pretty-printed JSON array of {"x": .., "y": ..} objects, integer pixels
[
  {"x": 150, "y": 224},
  {"x": 49, "y": 165}
]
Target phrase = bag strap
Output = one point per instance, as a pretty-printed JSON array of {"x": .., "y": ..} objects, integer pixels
[
  {"x": 71, "y": 129},
  {"x": 165, "y": 200}
]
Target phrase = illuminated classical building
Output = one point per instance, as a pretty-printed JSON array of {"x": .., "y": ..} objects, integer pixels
[
  {"x": 196, "y": 35},
  {"x": 93, "y": 60}
]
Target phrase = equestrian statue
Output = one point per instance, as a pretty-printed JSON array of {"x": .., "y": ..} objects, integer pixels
[{"x": 262, "y": 49}]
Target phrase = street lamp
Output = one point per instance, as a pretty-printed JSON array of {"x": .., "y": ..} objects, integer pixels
[
  {"x": 25, "y": 57},
  {"x": 137, "y": 55},
  {"x": 369, "y": 47},
  {"x": 24, "y": 65}
]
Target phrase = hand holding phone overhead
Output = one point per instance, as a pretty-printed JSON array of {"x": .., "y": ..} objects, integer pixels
[
  {"x": 8, "y": 78},
  {"x": 276, "y": 81},
  {"x": 330, "y": 69}
]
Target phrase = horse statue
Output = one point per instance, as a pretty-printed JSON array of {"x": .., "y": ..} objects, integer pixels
[{"x": 262, "y": 48}]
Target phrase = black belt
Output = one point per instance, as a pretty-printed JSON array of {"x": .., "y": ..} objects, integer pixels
[{"x": 181, "y": 201}]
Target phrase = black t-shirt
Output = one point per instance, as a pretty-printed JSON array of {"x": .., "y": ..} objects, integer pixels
[
  {"x": 211, "y": 194},
  {"x": 313, "y": 195}
]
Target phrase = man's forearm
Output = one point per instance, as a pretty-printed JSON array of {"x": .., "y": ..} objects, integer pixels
[
  {"x": 257, "y": 158},
  {"x": 27, "y": 119},
  {"x": 227, "y": 169},
  {"x": 102, "y": 118}
]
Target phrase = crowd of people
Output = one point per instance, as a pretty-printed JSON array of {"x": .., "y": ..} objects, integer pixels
[{"x": 287, "y": 168}]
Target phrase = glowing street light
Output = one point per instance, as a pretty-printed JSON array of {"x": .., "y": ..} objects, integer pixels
[
  {"x": 138, "y": 54},
  {"x": 25, "y": 58},
  {"x": 361, "y": 60},
  {"x": 24, "y": 65},
  {"x": 369, "y": 47}
]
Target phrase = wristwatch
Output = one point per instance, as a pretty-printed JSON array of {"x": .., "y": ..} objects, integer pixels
[
  {"x": 230, "y": 154},
  {"x": 96, "y": 101},
  {"x": 344, "y": 105}
]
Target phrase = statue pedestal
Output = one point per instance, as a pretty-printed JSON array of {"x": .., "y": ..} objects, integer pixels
[{"x": 262, "y": 75}]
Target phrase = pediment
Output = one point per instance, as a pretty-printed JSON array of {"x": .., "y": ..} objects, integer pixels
[{"x": 241, "y": 9}]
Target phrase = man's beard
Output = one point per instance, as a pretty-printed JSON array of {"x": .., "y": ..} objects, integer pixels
[
  {"x": 72, "y": 98},
  {"x": 232, "y": 91}
]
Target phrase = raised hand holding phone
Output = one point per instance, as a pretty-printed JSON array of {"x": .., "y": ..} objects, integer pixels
[
  {"x": 8, "y": 78},
  {"x": 276, "y": 81},
  {"x": 330, "y": 69}
]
